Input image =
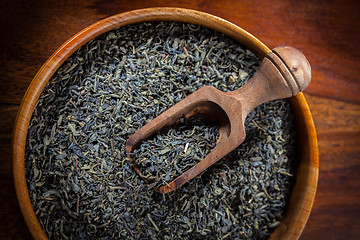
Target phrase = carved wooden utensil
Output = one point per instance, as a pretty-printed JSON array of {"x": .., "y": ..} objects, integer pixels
[{"x": 283, "y": 73}]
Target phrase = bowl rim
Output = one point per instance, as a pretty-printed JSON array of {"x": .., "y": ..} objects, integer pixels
[{"x": 289, "y": 228}]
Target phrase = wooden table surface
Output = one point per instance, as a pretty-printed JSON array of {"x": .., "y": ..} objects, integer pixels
[{"x": 327, "y": 32}]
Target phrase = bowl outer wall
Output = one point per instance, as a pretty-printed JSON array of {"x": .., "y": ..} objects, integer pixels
[{"x": 303, "y": 194}]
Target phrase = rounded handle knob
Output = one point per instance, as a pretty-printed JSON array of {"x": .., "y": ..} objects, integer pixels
[
  {"x": 297, "y": 65},
  {"x": 283, "y": 73}
]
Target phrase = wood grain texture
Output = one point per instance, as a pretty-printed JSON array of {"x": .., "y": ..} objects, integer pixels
[
  {"x": 12, "y": 224},
  {"x": 337, "y": 205},
  {"x": 325, "y": 31}
]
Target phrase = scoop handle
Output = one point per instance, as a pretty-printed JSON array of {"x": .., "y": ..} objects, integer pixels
[{"x": 283, "y": 73}]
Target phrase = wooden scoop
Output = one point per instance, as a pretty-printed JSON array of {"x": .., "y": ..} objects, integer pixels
[{"x": 283, "y": 73}]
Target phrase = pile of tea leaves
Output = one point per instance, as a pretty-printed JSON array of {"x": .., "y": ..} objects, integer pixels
[
  {"x": 175, "y": 149},
  {"x": 82, "y": 185}
]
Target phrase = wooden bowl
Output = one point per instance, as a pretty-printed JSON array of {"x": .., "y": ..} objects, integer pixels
[{"x": 303, "y": 193}]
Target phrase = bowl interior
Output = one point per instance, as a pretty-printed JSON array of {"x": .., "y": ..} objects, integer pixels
[{"x": 303, "y": 193}]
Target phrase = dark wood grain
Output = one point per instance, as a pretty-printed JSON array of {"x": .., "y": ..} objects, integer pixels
[
  {"x": 327, "y": 32},
  {"x": 12, "y": 225},
  {"x": 336, "y": 209}
]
